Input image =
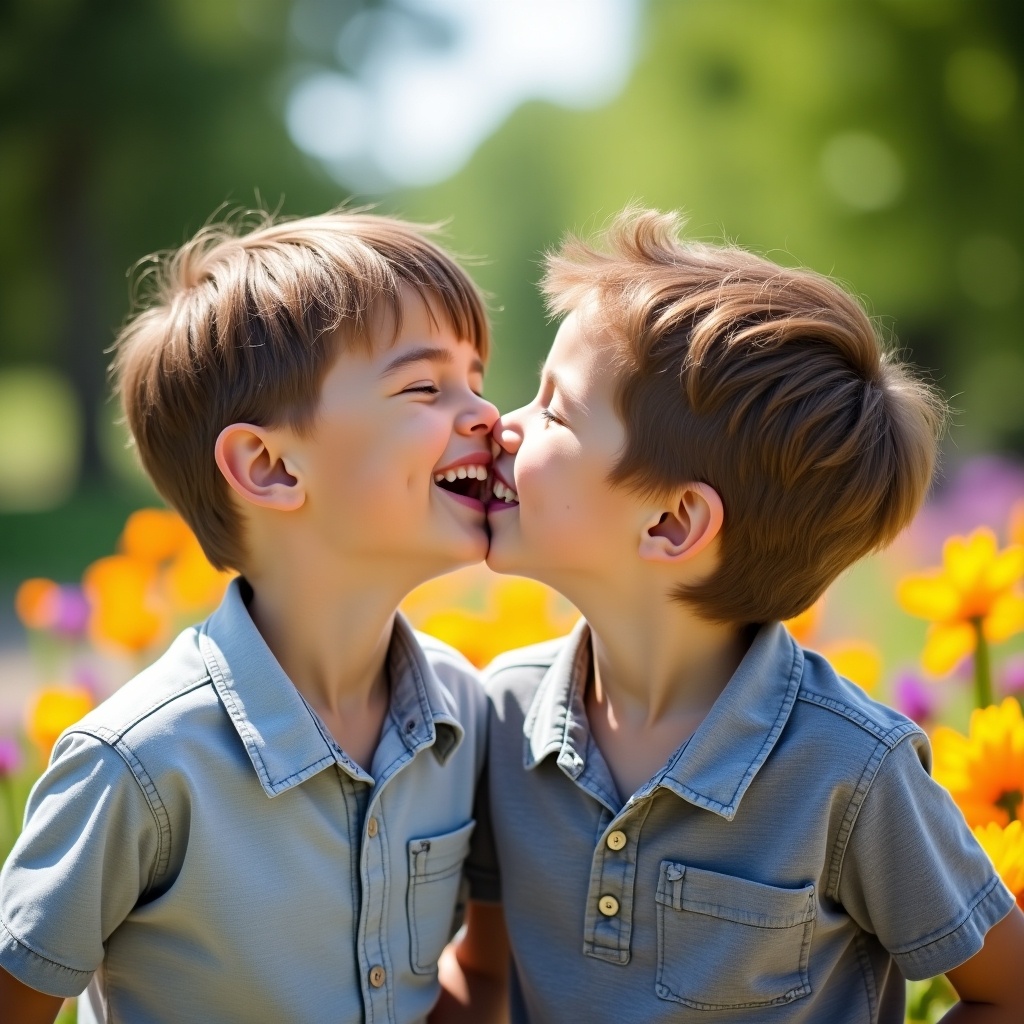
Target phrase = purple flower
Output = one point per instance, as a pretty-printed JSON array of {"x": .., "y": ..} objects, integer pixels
[
  {"x": 10, "y": 756},
  {"x": 72, "y": 613},
  {"x": 916, "y": 699},
  {"x": 1012, "y": 675}
]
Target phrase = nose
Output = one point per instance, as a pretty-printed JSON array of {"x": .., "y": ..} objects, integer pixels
[
  {"x": 479, "y": 418},
  {"x": 507, "y": 432}
]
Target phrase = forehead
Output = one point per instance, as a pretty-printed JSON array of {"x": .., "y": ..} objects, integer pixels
[
  {"x": 410, "y": 313},
  {"x": 584, "y": 355}
]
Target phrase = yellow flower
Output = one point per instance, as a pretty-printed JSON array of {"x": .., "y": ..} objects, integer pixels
[
  {"x": 52, "y": 710},
  {"x": 856, "y": 660},
  {"x": 977, "y": 586},
  {"x": 514, "y": 612},
  {"x": 984, "y": 771},
  {"x": 1005, "y": 847},
  {"x": 125, "y": 609}
]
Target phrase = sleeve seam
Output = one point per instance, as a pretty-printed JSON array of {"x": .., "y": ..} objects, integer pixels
[{"x": 38, "y": 954}]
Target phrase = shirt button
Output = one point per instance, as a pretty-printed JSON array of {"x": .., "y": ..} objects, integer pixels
[
  {"x": 377, "y": 976},
  {"x": 371, "y": 828},
  {"x": 616, "y": 840},
  {"x": 608, "y": 905}
]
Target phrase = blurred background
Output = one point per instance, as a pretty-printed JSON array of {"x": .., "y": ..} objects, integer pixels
[{"x": 876, "y": 140}]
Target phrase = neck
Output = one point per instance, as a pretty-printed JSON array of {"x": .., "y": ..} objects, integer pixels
[
  {"x": 659, "y": 661},
  {"x": 329, "y": 631}
]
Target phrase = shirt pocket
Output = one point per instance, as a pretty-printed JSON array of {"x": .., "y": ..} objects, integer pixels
[
  {"x": 728, "y": 943},
  {"x": 435, "y": 876}
]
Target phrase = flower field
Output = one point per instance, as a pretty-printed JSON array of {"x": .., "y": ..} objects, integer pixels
[{"x": 935, "y": 627}]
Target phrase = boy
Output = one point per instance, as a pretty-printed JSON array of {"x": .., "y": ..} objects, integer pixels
[
  {"x": 269, "y": 823},
  {"x": 693, "y": 818}
]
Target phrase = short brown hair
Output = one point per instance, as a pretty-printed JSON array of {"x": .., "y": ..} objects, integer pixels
[
  {"x": 242, "y": 323},
  {"x": 769, "y": 384}
]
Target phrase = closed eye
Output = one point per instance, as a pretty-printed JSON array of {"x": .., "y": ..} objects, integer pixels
[
  {"x": 426, "y": 389},
  {"x": 551, "y": 417}
]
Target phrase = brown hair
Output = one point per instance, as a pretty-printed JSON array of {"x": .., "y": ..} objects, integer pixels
[
  {"x": 242, "y": 326},
  {"x": 769, "y": 384}
]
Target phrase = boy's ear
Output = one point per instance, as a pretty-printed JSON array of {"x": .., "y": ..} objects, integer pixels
[
  {"x": 252, "y": 461},
  {"x": 675, "y": 533}
]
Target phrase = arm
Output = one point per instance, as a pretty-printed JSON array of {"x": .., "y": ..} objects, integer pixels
[
  {"x": 989, "y": 983},
  {"x": 474, "y": 970},
  {"x": 26, "y": 1005}
]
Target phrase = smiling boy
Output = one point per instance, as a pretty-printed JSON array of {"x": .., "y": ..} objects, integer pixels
[
  {"x": 692, "y": 817},
  {"x": 269, "y": 823}
]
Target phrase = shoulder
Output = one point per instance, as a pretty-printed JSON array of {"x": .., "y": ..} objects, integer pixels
[
  {"x": 515, "y": 676},
  {"x": 456, "y": 674},
  {"x": 838, "y": 710},
  {"x": 149, "y": 705}
]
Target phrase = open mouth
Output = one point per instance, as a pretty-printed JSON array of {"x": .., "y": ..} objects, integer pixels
[
  {"x": 470, "y": 483},
  {"x": 505, "y": 495}
]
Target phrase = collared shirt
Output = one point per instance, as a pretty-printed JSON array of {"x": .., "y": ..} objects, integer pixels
[
  {"x": 200, "y": 849},
  {"x": 792, "y": 861}
]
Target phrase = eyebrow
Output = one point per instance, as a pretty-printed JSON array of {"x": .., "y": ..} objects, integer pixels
[{"x": 427, "y": 354}]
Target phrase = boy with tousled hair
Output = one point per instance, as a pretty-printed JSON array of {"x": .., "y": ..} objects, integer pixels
[
  {"x": 692, "y": 818},
  {"x": 269, "y": 823}
]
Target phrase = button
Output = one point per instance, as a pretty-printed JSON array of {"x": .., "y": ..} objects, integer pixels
[
  {"x": 608, "y": 905},
  {"x": 616, "y": 840},
  {"x": 377, "y": 976},
  {"x": 371, "y": 828}
]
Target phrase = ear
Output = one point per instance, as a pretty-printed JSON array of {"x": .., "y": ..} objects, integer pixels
[
  {"x": 677, "y": 533},
  {"x": 253, "y": 462}
]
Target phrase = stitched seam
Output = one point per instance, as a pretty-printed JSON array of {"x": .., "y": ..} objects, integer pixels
[
  {"x": 860, "y": 792},
  {"x": 241, "y": 723},
  {"x": 891, "y": 736},
  {"x": 931, "y": 940},
  {"x": 142, "y": 779},
  {"x": 37, "y": 953},
  {"x": 142, "y": 715},
  {"x": 795, "y": 676},
  {"x": 867, "y": 974}
]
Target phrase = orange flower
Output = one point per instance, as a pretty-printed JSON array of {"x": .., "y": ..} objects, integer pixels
[
  {"x": 977, "y": 587},
  {"x": 36, "y": 603},
  {"x": 126, "y": 613},
  {"x": 52, "y": 710},
  {"x": 191, "y": 583},
  {"x": 1005, "y": 847},
  {"x": 984, "y": 771},
  {"x": 154, "y": 535},
  {"x": 805, "y": 625}
]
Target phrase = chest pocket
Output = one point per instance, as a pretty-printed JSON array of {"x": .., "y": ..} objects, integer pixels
[
  {"x": 435, "y": 876},
  {"x": 727, "y": 942}
]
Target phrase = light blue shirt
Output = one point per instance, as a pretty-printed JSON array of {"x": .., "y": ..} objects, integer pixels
[
  {"x": 791, "y": 863},
  {"x": 200, "y": 849}
]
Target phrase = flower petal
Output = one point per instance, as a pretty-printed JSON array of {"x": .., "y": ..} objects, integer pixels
[
  {"x": 946, "y": 645},
  {"x": 965, "y": 559},
  {"x": 1005, "y": 619},
  {"x": 1006, "y": 569},
  {"x": 929, "y": 596}
]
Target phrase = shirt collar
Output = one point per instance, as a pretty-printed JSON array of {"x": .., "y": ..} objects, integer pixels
[
  {"x": 281, "y": 734},
  {"x": 714, "y": 768}
]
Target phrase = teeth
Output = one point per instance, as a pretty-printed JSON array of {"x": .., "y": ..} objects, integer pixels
[
  {"x": 438, "y": 477},
  {"x": 461, "y": 473},
  {"x": 506, "y": 494},
  {"x": 451, "y": 476},
  {"x": 472, "y": 472}
]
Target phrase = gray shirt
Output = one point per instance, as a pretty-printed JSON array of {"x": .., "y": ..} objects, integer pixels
[
  {"x": 200, "y": 849},
  {"x": 792, "y": 861}
]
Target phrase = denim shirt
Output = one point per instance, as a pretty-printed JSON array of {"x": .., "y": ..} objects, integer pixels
[
  {"x": 200, "y": 849},
  {"x": 792, "y": 862}
]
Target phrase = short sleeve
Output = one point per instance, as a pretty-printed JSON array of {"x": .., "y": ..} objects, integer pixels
[
  {"x": 913, "y": 873},
  {"x": 87, "y": 853},
  {"x": 482, "y": 862}
]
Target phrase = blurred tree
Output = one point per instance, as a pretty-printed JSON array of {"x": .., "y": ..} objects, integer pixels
[
  {"x": 123, "y": 126},
  {"x": 879, "y": 140}
]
